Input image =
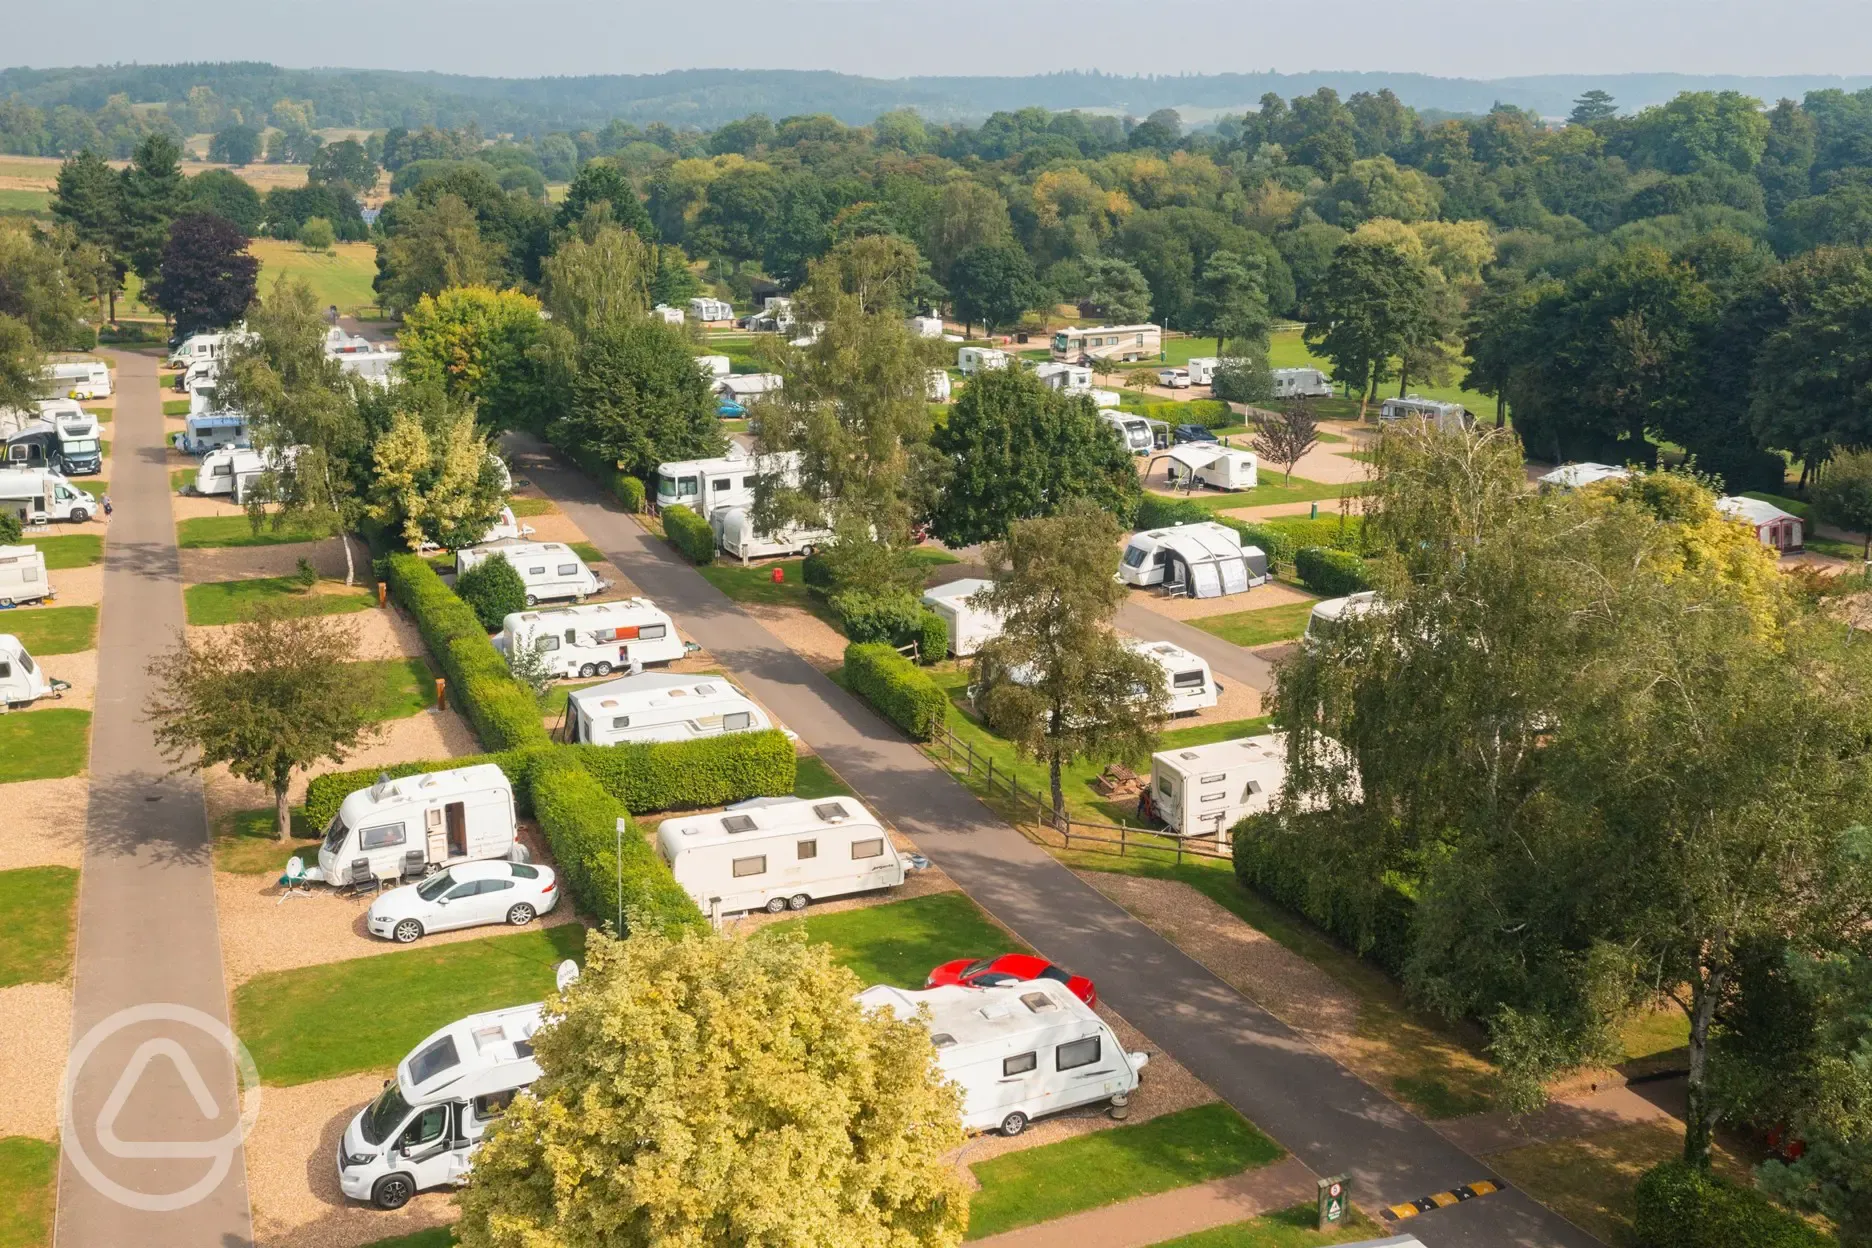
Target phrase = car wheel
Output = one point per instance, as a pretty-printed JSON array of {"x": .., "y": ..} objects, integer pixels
[
  {"x": 604, "y": 669},
  {"x": 587, "y": 671},
  {"x": 777, "y": 905},
  {"x": 393, "y": 1191},
  {"x": 520, "y": 915},
  {"x": 1012, "y": 1125},
  {"x": 531, "y": 601},
  {"x": 409, "y": 931},
  {"x": 79, "y": 515},
  {"x": 798, "y": 901}
]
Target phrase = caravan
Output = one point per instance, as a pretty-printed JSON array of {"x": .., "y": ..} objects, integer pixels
[
  {"x": 1207, "y": 789},
  {"x": 702, "y": 485},
  {"x": 1205, "y": 560},
  {"x": 506, "y": 528},
  {"x": 549, "y": 570},
  {"x": 972, "y": 360},
  {"x": 1445, "y": 416},
  {"x": 37, "y": 495},
  {"x": 206, "y": 431},
  {"x": 1202, "y": 369},
  {"x": 23, "y": 576},
  {"x": 937, "y": 387},
  {"x": 23, "y": 681},
  {"x": 1211, "y": 465},
  {"x": 1187, "y": 679},
  {"x": 1134, "y": 431},
  {"x": 777, "y": 854},
  {"x": 419, "y": 822},
  {"x": 1018, "y": 1052},
  {"x": 230, "y": 470},
  {"x": 80, "y": 379},
  {"x": 661, "y": 706},
  {"x": 198, "y": 347},
  {"x": 736, "y": 535},
  {"x": 1066, "y": 378},
  {"x": 970, "y": 627},
  {"x": 595, "y": 639},
  {"x": 714, "y": 367},
  {"x": 1301, "y": 383},
  {"x": 1326, "y": 617}
]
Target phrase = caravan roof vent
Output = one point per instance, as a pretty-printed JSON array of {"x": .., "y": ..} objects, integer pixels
[
  {"x": 1038, "y": 1002},
  {"x": 829, "y": 812},
  {"x": 383, "y": 783},
  {"x": 943, "y": 1040},
  {"x": 993, "y": 1012},
  {"x": 737, "y": 823},
  {"x": 1188, "y": 754},
  {"x": 1254, "y": 786},
  {"x": 486, "y": 1038}
]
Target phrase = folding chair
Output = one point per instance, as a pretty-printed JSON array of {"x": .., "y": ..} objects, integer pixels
[
  {"x": 362, "y": 877},
  {"x": 415, "y": 863},
  {"x": 293, "y": 883}
]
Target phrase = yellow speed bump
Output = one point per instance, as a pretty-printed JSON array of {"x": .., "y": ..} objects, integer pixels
[{"x": 1440, "y": 1200}]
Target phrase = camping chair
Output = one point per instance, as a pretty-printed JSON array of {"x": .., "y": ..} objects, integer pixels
[
  {"x": 293, "y": 883},
  {"x": 415, "y": 863},
  {"x": 362, "y": 877}
]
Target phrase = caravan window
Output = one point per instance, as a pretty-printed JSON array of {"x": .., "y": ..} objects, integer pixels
[
  {"x": 756, "y": 865},
  {"x": 568, "y": 569},
  {"x": 25, "y": 662},
  {"x": 736, "y": 721},
  {"x": 1189, "y": 680},
  {"x": 381, "y": 837},
  {"x": 539, "y": 571},
  {"x": 620, "y": 721},
  {"x": 1019, "y": 1064},
  {"x": 1134, "y": 555},
  {"x": 808, "y": 849},
  {"x": 546, "y": 644},
  {"x": 433, "y": 1060},
  {"x": 1078, "y": 1053},
  {"x": 6, "y": 669},
  {"x": 492, "y": 1105},
  {"x": 873, "y": 848},
  {"x": 685, "y": 487},
  {"x": 652, "y": 632},
  {"x": 747, "y": 483}
]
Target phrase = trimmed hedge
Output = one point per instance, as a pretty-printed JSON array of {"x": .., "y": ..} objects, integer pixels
[
  {"x": 579, "y": 820},
  {"x": 1328, "y": 531},
  {"x": 494, "y": 590},
  {"x": 327, "y": 792},
  {"x": 1156, "y": 512},
  {"x": 629, "y": 491},
  {"x": 690, "y": 775},
  {"x": 1277, "y": 546},
  {"x": 896, "y": 687},
  {"x": 1334, "y": 573},
  {"x": 1210, "y": 413},
  {"x": 690, "y": 534},
  {"x": 864, "y": 616},
  {"x": 1280, "y": 861},
  {"x": 932, "y": 637},
  {"x": 1678, "y": 1207}
]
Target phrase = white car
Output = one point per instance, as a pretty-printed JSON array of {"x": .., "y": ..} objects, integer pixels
[
  {"x": 467, "y": 895},
  {"x": 1173, "y": 378}
]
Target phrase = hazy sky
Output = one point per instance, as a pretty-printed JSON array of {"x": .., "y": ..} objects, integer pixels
[{"x": 892, "y": 38}]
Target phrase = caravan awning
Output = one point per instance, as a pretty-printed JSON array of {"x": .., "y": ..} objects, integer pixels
[{"x": 1194, "y": 455}]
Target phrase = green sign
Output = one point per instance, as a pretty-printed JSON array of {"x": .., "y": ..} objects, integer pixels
[{"x": 1335, "y": 1196}]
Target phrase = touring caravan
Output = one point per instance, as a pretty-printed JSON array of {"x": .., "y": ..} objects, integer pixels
[
  {"x": 925, "y": 326},
  {"x": 82, "y": 379},
  {"x": 714, "y": 367},
  {"x": 1066, "y": 378},
  {"x": 1211, "y": 466},
  {"x": 1327, "y": 616},
  {"x": 1576, "y": 476},
  {"x": 972, "y": 360},
  {"x": 707, "y": 310},
  {"x": 1135, "y": 431},
  {"x": 702, "y": 485},
  {"x": 1127, "y": 343},
  {"x": 936, "y": 388},
  {"x": 22, "y": 681},
  {"x": 1191, "y": 686},
  {"x": 1445, "y": 416},
  {"x": 231, "y": 471},
  {"x": 1301, "y": 383},
  {"x": 743, "y": 387},
  {"x": 736, "y": 535},
  {"x": 1019, "y": 1052},
  {"x": 209, "y": 431},
  {"x": 970, "y": 627},
  {"x": 462, "y": 815},
  {"x": 23, "y": 576},
  {"x": 38, "y": 495},
  {"x": 549, "y": 570},
  {"x": 1207, "y": 789},
  {"x": 779, "y": 854},
  {"x": 1202, "y": 369},
  {"x": 660, "y": 706},
  {"x": 595, "y": 639},
  {"x": 1205, "y": 560}
]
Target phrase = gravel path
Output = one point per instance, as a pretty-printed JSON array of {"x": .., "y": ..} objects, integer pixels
[
  {"x": 45, "y": 823},
  {"x": 35, "y": 1034},
  {"x": 76, "y": 587},
  {"x": 80, "y": 671},
  {"x": 803, "y": 632},
  {"x": 1238, "y": 701},
  {"x": 189, "y": 506},
  {"x": 380, "y": 634},
  {"x": 1328, "y": 507}
]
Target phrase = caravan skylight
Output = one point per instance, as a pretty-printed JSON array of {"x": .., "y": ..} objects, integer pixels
[
  {"x": 433, "y": 1060},
  {"x": 737, "y": 823},
  {"x": 1038, "y": 1001},
  {"x": 828, "y": 812},
  {"x": 486, "y": 1038},
  {"x": 943, "y": 1040}
]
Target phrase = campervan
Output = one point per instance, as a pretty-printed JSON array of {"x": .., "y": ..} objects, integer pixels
[
  {"x": 22, "y": 681},
  {"x": 936, "y": 386},
  {"x": 1301, "y": 383},
  {"x": 373, "y": 366},
  {"x": 208, "y": 431},
  {"x": 1327, "y": 616},
  {"x": 506, "y": 528},
  {"x": 970, "y": 627},
  {"x": 81, "y": 379},
  {"x": 1205, "y": 560},
  {"x": 1190, "y": 685},
  {"x": 204, "y": 347},
  {"x": 972, "y": 360},
  {"x": 1445, "y": 416},
  {"x": 22, "y": 576},
  {"x": 779, "y": 854},
  {"x": 1211, "y": 466},
  {"x": 549, "y": 570},
  {"x": 1135, "y": 431},
  {"x": 595, "y": 639},
  {"x": 1019, "y": 1051},
  {"x": 702, "y": 485},
  {"x": 80, "y": 444},
  {"x": 1202, "y": 369},
  {"x": 660, "y": 706},
  {"x": 714, "y": 367},
  {"x": 736, "y": 535},
  {"x": 37, "y": 495},
  {"x": 462, "y": 815}
]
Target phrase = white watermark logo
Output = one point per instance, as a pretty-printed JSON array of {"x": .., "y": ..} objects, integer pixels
[{"x": 219, "y": 1152}]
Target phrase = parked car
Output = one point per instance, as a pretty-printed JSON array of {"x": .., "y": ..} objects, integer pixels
[
  {"x": 728, "y": 409},
  {"x": 468, "y": 895},
  {"x": 1192, "y": 433},
  {"x": 1173, "y": 378},
  {"x": 1009, "y": 968}
]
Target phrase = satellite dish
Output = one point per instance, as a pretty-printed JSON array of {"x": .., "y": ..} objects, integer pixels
[{"x": 567, "y": 974}]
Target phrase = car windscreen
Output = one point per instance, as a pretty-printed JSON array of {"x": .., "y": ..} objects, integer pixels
[
  {"x": 384, "y": 1115},
  {"x": 82, "y": 446}
]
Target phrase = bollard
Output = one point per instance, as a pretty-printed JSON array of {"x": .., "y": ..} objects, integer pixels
[
  {"x": 1315, "y": 513},
  {"x": 383, "y": 593},
  {"x": 441, "y": 694},
  {"x": 779, "y": 574}
]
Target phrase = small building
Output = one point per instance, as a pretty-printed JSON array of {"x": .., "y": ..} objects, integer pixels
[
  {"x": 671, "y": 316},
  {"x": 1128, "y": 343},
  {"x": 709, "y": 310},
  {"x": 1576, "y": 476},
  {"x": 1774, "y": 528}
]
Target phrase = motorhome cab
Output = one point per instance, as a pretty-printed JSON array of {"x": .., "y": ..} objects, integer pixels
[
  {"x": 22, "y": 681},
  {"x": 779, "y": 853},
  {"x": 465, "y": 814},
  {"x": 1301, "y": 383},
  {"x": 1205, "y": 560},
  {"x": 37, "y": 495},
  {"x": 1327, "y": 617},
  {"x": 549, "y": 570},
  {"x": 970, "y": 627},
  {"x": 1135, "y": 431},
  {"x": 82, "y": 379},
  {"x": 595, "y": 639},
  {"x": 206, "y": 431},
  {"x": 736, "y": 535},
  {"x": 198, "y": 347},
  {"x": 22, "y": 576},
  {"x": 702, "y": 485},
  {"x": 1018, "y": 1052},
  {"x": 1191, "y": 685},
  {"x": 660, "y": 706},
  {"x": 80, "y": 444},
  {"x": 1207, "y": 789}
]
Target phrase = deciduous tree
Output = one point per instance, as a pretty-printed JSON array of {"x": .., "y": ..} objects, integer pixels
[
  {"x": 1285, "y": 437},
  {"x": 434, "y": 477},
  {"x": 1842, "y": 496},
  {"x": 235, "y": 145},
  {"x": 480, "y": 346},
  {"x": 993, "y": 283},
  {"x": 637, "y": 398},
  {"x": 1373, "y": 305},
  {"x": 208, "y": 276},
  {"x": 438, "y": 245}
]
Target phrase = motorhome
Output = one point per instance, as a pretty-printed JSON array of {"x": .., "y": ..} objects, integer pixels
[
  {"x": 743, "y": 387},
  {"x": 80, "y": 445},
  {"x": 205, "y": 347},
  {"x": 1445, "y": 416},
  {"x": 1066, "y": 378},
  {"x": 506, "y": 528},
  {"x": 1202, "y": 369},
  {"x": 972, "y": 360},
  {"x": 1135, "y": 431},
  {"x": 736, "y": 535},
  {"x": 203, "y": 397},
  {"x": 426, "y": 821},
  {"x": 1209, "y": 465},
  {"x": 549, "y": 570},
  {"x": 1018, "y": 1052},
  {"x": 1301, "y": 383},
  {"x": 197, "y": 373},
  {"x": 1128, "y": 343},
  {"x": 1207, "y": 789},
  {"x": 30, "y": 443},
  {"x": 39, "y": 495},
  {"x": 209, "y": 431},
  {"x": 714, "y": 367},
  {"x": 702, "y": 485},
  {"x": 23, "y": 681},
  {"x": 1327, "y": 616},
  {"x": 595, "y": 639},
  {"x": 1205, "y": 560},
  {"x": 23, "y": 576},
  {"x": 376, "y": 367},
  {"x": 709, "y": 310},
  {"x": 660, "y": 706},
  {"x": 936, "y": 387},
  {"x": 970, "y": 627},
  {"x": 779, "y": 854},
  {"x": 1189, "y": 684},
  {"x": 80, "y": 379}
]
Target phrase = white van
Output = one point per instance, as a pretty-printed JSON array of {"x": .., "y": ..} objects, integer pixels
[
  {"x": 80, "y": 379},
  {"x": 660, "y": 706},
  {"x": 549, "y": 570},
  {"x": 37, "y": 495},
  {"x": 779, "y": 854},
  {"x": 970, "y": 627},
  {"x": 702, "y": 485},
  {"x": 462, "y": 815},
  {"x": 736, "y": 535},
  {"x": 206, "y": 431},
  {"x": 23, "y": 681},
  {"x": 1191, "y": 685},
  {"x": 595, "y": 639},
  {"x": 22, "y": 576},
  {"x": 1018, "y": 1052}
]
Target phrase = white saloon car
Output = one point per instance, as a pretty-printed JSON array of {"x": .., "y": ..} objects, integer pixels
[{"x": 467, "y": 895}]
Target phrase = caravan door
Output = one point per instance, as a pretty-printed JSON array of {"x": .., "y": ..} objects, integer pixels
[
  {"x": 455, "y": 819},
  {"x": 1205, "y": 580},
  {"x": 1234, "y": 576}
]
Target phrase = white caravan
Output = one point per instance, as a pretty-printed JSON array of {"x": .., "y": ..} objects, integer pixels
[
  {"x": 1134, "y": 431},
  {"x": 1190, "y": 685},
  {"x": 22, "y": 681},
  {"x": 1067, "y": 378},
  {"x": 81, "y": 379},
  {"x": 1212, "y": 466},
  {"x": 420, "y": 822},
  {"x": 702, "y": 485},
  {"x": 660, "y": 706},
  {"x": 1327, "y": 616},
  {"x": 1207, "y": 789},
  {"x": 375, "y": 367},
  {"x": 1301, "y": 383},
  {"x": 230, "y": 470},
  {"x": 970, "y": 627},
  {"x": 506, "y": 528},
  {"x": 595, "y": 639},
  {"x": 925, "y": 326},
  {"x": 22, "y": 576},
  {"x": 202, "y": 397},
  {"x": 714, "y": 367},
  {"x": 1104, "y": 398},
  {"x": 209, "y": 431},
  {"x": 1575, "y": 476},
  {"x": 205, "y": 347},
  {"x": 1205, "y": 560},
  {"x": 707, "y": 309},
  {"x": 1445, "y": 416},
  {"x": 1019, "y": 1052},
  {"x": 37, "y": 495},
  {"x": 1202, "y": 369},
  {"x": 549, "y": 570},
  {"x": 779, "y": 854},
  {"x": 936, "y": 387},
  {"x": 667, "y": 314},
  {"x": 972, "y": 360},
  {"x": 736, "y": 535}
]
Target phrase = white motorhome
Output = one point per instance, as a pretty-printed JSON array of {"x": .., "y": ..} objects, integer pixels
[
  {"x": 373, "y": 366},
  {"x": 196, "y": 374},
  {"x": 1110, "y": 342},
  {"x": 778, "y": 854},
  {"x": 427, "y": 821},
  {"x": 1205, "y": 560},
  {"x": 706, "y": 309},
  {"x": 1066, "y": 378},
  {"x": 972, "y": 360},
  {"x": 1135, "y": 431},
  {"x": 22, "y": 681},
  {"x": 23, "y": 576},
  {"x": 1445, "y": 416},
  {"x": 1202, "y": 369},
  {"x": 1019, "y": 1052},
  {"x": 549, "y": 570},
  {"x": 736, "y": 535},
  {"x": 1212, "y": 466},
  {"x": 38, "y": 495},
  {"x": 936, "y": 385},
  {"x": 741, "y": 387},
  {"x": 77, "y": 379},
  {"x": 970, "y": 627},
  {"x": 714, "y": 367},
  {"x": 595, "y": 639},
  {"x": 1301, "y": 383},
  {"x": 1191, "y": 687},
  {"x": 506, "y": 528},
  {"x": 202, "y": 397},
  {"x": 208, "y": 430},
  {"x": 660, "y": 706},
  {"x": 1328, "y": 615},
  {"x": 702, "y": 485},
  {"x": 205, "y": 347}
]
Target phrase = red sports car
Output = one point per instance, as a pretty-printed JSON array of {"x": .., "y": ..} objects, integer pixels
[{"x": 1009, "y": 968}]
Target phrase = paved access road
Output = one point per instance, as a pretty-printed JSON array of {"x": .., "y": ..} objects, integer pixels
[
  {"x": 146, "y": 911},
  {"x": 1329, "y": 1118}
]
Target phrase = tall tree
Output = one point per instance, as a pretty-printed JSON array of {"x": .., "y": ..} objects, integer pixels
[
  {"x": 235, "y": 145},
  {"x": 1231, "y": 305},
  {"x": 591, "y": 281},
  {"x": 601, "y": 181},
  {"x": 638, "y": 399},
  {"x": 438, "y": 245},
  {"x": 1814, "y": 369},
  {"x": 22, "y": 364},
  {"x": 208, "y": 276},
  {"x": 1842, "y": 494},
  {"x": 153, "y": 193},
  {"x": 993, "y": 283},
  {"x": 90, "y": 198},
  {"x": 1115, "y": 291},
  {"x": 434, "y": 477},
  {"x": 1373, "y": 305},
  {"x": 967, "y": 215},
  {"x": 481, "y": 347},
  {"x": 1592, "y": 107},
  {"x": 344, "y": 163}
]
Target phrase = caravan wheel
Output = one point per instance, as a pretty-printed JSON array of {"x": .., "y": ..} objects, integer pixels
[
  {"x": 1014, "y": 1123},
  {"x": 798, "y": 901},
  {"x": 587, "y": 671},
  {"x": 604, "y": 668},
  {"x": 531, "y": 601},
  {"x": 393, "y": 1191},
  {"x": 777, "y": 905}
]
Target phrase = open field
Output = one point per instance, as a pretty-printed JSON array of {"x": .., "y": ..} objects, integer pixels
[
  {"x": 30, "y": 203},
  {"x": 342, "y": 277},
  {"x": 44, "y": 744}
]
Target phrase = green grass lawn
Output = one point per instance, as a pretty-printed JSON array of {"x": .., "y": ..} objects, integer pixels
[
  {"x": 588, "y": 552},
  {"x": 398, "y": 688},
  {"x": 1287, "y": 1228},
  {"x": 53, "y": 630},
  {"x": 1272, "y": 489},
  {"x": 756, "y": 584},
  {"x": 900, "y": 942},
  {"x": 1259, "y": 627},
  {"x": 245, "y": 845},
  {"x": 1105, "y": 1167},
  {"x": 175, "y": 407},
  {"x": 1287, "y": 350},
  {"x": 523, "y": 507},
  {"x": 103, "y": 415},
  {"x": 181, "y": 479},
  {"x": 228, "y": 602},
  {"x": 434, "y": 1237},
  {"x": 36, "y": 913},
  {"x": 25, "y": 202},
  {"x": 203, "y": 532},
  {"x": 319, "y": 1022},
  {"x": 342, "y": 277},
  {"x": 28, "y": 1173},
  {"x": 815, "y": 779},
  {"x": 44, "y": 744},
  {"x": 80, "y": 550}
]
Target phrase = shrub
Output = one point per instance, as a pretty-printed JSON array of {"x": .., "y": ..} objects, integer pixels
[
  {"x": 691, "y": 775},
  {"x": 10, "y": 532},
  {"x": 1157, "y": 512},
  {"x": 1207, "y": 412},
  {"x": 579, "y": 820},
  {"x": 317, "y": 234},
  {"x": 325, "y": 793},
  {"x": 1276, "y": 858},
  {"x": 816, "y": 572},
  {"x": 494, "y": 590},
  {"x": 865, "y": 616},
  {"x": 893, "y": 684},
  {"x": 1243, "y": 381},
  {"x": 1339, "y": 533},
  {"x": 690, "y": 534},
  {"x": 932, "y": 637},
  {"x": 629, "y": 491},
  {"x": 1334, "y": 573},
  {"x": 1276, "y": 545},
  {"x": 1678, "y": 1207}
]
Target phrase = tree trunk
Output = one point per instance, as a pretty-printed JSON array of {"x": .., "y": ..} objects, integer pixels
[
  {"x": 1501, "y": 412},
  {"x": 350, "y": 569},
  {"x": 1699, "y": 1115},
  {"x": 1403, "y": 378},
  {"x": 1059, "y": 793},
  {"x": 282, "y": 809}
]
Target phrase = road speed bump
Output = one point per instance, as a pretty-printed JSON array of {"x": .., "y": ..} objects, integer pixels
[{"x": 1441, "y": 1200}]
